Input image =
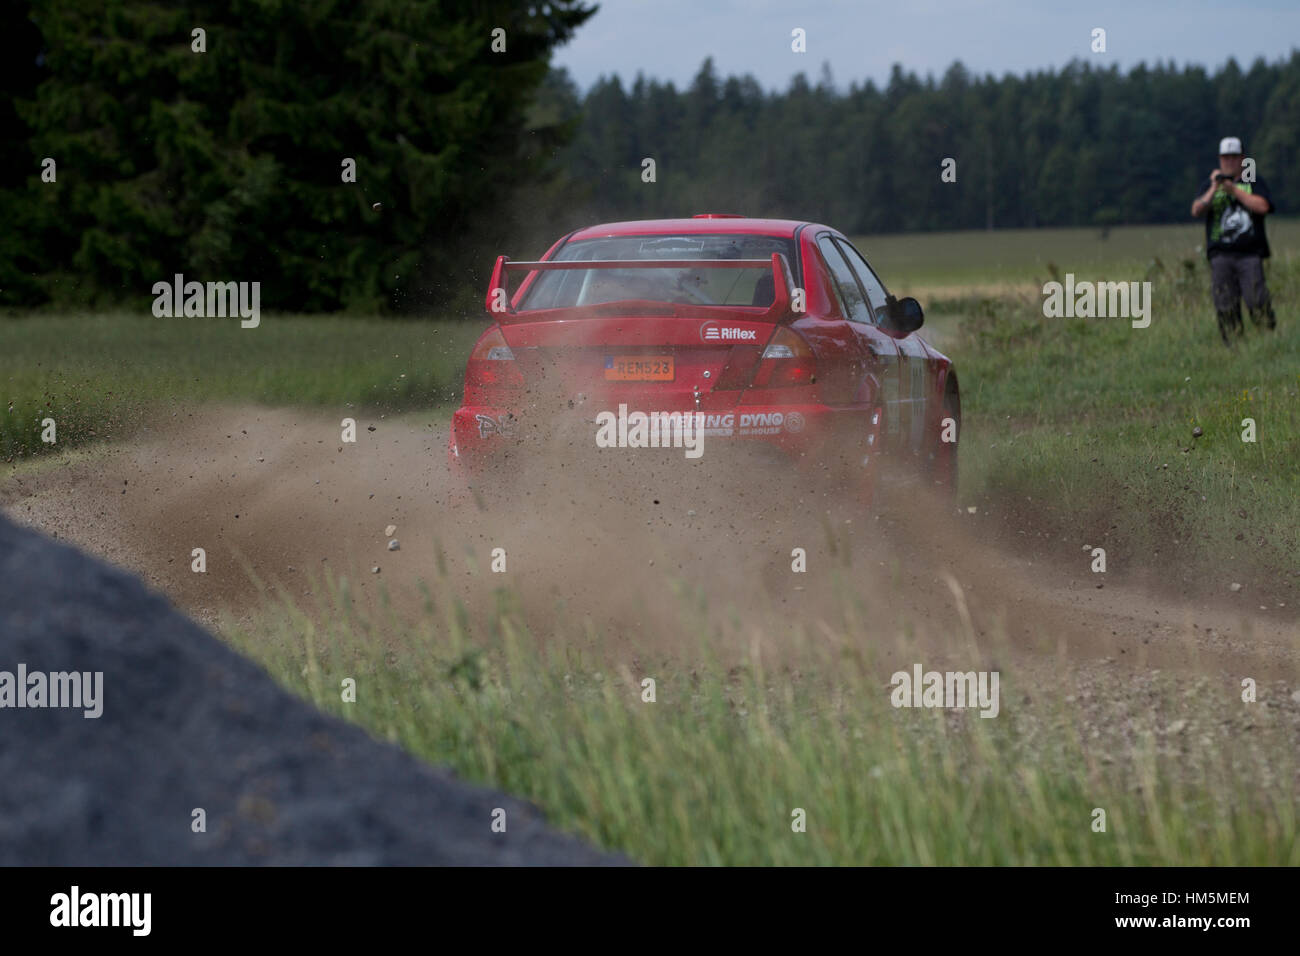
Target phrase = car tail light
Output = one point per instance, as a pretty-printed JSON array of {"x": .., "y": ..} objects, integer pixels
[
  {"x": 786, "y": 361},
  {"x": 492, "y": 364}
]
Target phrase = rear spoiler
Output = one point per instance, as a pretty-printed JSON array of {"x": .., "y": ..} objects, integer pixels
[{"x": 498, "y": 296}]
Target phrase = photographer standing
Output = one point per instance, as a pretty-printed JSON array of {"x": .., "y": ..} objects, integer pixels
[{"x": 1235, "y": 242}]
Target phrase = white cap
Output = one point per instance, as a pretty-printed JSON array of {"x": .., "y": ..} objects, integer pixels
[{"x": 1229, "y": 144}]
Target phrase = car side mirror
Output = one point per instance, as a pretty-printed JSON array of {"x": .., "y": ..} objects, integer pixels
[{"x": 904, "y": 316}]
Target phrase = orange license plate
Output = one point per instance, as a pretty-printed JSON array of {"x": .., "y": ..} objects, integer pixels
[{"x": 655, "y": 368}]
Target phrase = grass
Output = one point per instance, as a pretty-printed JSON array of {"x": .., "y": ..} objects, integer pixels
[
  {"x": 920, "y": 263},
  {"x": 718, "y": 767},
  {"x": 1097, "y": 418},
  {"x": 97, "y": 375}
]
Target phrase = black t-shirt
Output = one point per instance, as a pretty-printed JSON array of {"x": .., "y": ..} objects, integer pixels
[{"x": 1231, "y": 227}]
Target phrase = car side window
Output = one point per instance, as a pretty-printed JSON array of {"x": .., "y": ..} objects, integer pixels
[
  {"x": 856, "y": 307},
  {"x": 870, "y": 281}
]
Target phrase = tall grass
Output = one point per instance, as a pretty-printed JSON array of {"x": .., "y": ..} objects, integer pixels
[{"x": 718, "y": 767}]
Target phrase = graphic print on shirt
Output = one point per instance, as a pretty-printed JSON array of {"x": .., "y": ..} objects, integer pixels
[{"x": 1232, "y": 221}]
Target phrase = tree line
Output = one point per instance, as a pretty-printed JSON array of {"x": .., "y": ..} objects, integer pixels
[{"x": 1081, "y": 146}]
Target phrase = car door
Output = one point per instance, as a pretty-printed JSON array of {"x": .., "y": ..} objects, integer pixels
[
  {"x": 913, "y": 359},
  {"x": 843, "y": 363},
  {"x": 876, "y": 344}
]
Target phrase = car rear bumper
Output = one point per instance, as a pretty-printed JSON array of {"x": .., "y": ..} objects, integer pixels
[{"x": 803, "y": 436}]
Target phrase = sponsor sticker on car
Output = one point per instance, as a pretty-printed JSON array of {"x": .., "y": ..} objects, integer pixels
[{"x": 717, "y": 332}]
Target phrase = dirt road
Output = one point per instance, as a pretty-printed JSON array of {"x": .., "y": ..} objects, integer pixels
[{"x": 276, "y": 500}]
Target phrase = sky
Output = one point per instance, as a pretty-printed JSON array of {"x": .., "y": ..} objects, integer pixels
[{"x": 862, "y": 39}]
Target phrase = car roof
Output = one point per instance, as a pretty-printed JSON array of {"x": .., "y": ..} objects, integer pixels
[{"x": 719, "y": 225}]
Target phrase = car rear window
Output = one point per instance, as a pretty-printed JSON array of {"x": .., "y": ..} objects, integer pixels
[{"x": 579, "y": 287}]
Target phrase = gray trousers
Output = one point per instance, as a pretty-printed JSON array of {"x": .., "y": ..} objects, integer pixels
[{"x": 1234, "y": 277}]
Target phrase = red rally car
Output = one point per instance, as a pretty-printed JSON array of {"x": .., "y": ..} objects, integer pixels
[{"x": 779, "y": 333}]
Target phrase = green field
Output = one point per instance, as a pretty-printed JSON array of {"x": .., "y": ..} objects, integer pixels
[
  {"x": 1097, "y": 418},
  {"x": 916, "y": 263},
  {"x": 1085, "y": 423},
  {"x": 97, "y": 376}
]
